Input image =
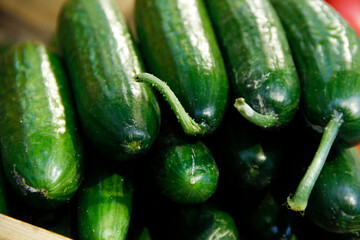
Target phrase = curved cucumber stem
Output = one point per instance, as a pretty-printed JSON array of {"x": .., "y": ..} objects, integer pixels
[
  {"x": 299, "y": 201},
  {"x": 188, "y": 124},
  {"x": 262, "y": 120}
]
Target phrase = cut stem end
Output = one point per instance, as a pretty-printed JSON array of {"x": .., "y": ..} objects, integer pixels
[
  {"x": 300, "y": 199},
  {"x": 261, "y": 120}
]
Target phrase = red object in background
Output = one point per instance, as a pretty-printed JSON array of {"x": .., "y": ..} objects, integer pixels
[{"x": 349, "y": 10}]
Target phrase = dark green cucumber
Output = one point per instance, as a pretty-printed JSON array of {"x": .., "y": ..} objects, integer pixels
[
  {"x": 207, "y": 221},
  {"x": 326, "y": 51},
  {"x": 184, "y": 169},
  {"x": 333, "y": 204},
  {"x": 120, "y": 117},
  {"x": 250, "y": 156},
  {"x": 259, "y": 61},
  {"x": 270, "y": 220},
  {"x": 180, "y": 48},
  {"x": 40, "y": 145},
  {"x": 105, "y": 204}
]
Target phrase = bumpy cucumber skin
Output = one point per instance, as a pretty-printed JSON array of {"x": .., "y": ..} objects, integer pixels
[
  {"x": 207, "y": 221},
  {"x": 333, "y": 204},
  {"x": 105, "y": 204},
  {"x": 40, "y": 144},
  {"x": 180, "y": 47},
  {"x": 185, "y": 170},
  {"x": 120, "y": 117},
  {"x": 326, "y": 51},
  {"x": 257, "y": 55}
]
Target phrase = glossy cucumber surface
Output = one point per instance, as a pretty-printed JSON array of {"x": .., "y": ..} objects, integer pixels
[
  {"x": 119, "y": 116},
  {"x": 207, "y": 221},
  {"x": 104, "y": 205},
  {"x": 333, "y": 204},
  {"x": 326, "y": 51},
  {"x": 184, "y": 169},
  {"x": 40, "y": 144},
  {"x": 258, "y": 58},
  {"x": 180, "y": 47}
]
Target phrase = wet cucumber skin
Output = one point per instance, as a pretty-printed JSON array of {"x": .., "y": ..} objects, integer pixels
[
  {"x": 105, "y": 205},
  {"x": 329, "y": 204},
  {"x": 257, "y": 55},
  {"x": 184, "y": 169},
  {"x": 40, "y": 145},
  {"x": 120, "y": 117},
  {"x": 179, "y": 47},
  {"x": 326, "y": 51}
]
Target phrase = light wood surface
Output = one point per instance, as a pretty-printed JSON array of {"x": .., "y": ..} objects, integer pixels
[
  {"x": 37, "y": 19},
  {"x": 13, "y": 229}
]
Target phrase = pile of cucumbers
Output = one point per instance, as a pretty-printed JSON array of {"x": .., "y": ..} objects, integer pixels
[{"x": 232, "y": 119}]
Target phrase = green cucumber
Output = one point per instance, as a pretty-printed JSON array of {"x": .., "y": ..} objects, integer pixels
[
  {"x": 40, "y": 144},
  {"x": 184, "y": 168},
  {"x": 270, "y": 220},
  {"x": 119, "y": 116},
  {"x": 179, "y": 47},
  {"x": 251, "y": 157},
  {"x": 326, "y": 51},
  {"x": 333, "y": 202},
  {"x": 104, "y": 205},
  {"x": 259, "y": 61},
  {"x": 207, "y": 221}
]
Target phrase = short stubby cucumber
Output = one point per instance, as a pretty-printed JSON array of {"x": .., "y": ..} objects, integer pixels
[
  {"x": 180, "y": 48},
  {"x": 119, "y": 116},
  {"x": 40, "y": 144},
  {"x": 259, "y": 61},
  {"x": 104, "y": 205},
  {"x": 207, "y": 221},
  {"x": 184, "y": 169}
]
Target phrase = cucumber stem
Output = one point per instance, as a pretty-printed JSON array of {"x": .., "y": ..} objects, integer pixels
[
  {"x": 188, "y": 124},
  {"x": 300, "y": 199},
  {"x": 261, "y": 120}
]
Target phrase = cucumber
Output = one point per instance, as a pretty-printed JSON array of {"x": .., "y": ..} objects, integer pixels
[
  {"x": 104, "y": 204},
  {"x": 180, "y": 48},
  {"x": 251, "y": 157},
  {"x": 119, "y": 116},
  {"x": 331, "y": 204},
  {"x": 184, "y": 168},
  {"x": 207, "y": 221},
  {"x": 40, "y": 144},
  {"x": 326, "y": 51},
  {"x": 259, "y": 61},
  {"x": 270, "y": 220}
]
